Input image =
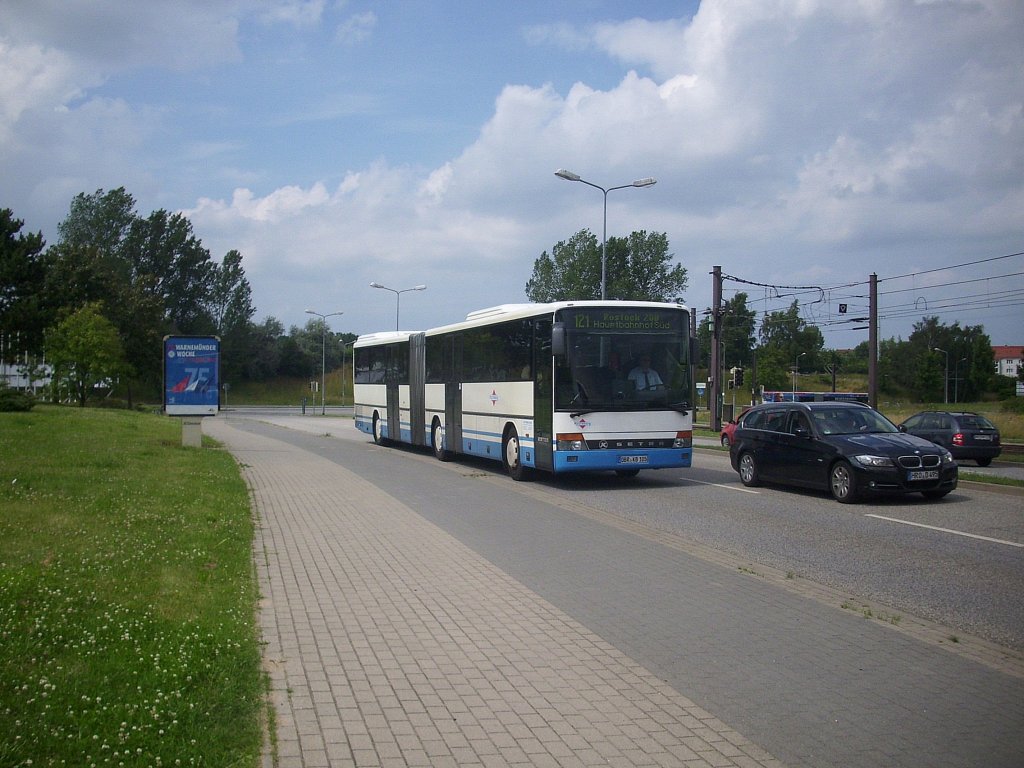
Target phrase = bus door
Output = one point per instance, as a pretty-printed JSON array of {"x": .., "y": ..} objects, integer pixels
[
  {"x": 453, "y": 393},
  {"x": 394, "y": 368},
  {"x": 543, "y": 394},
  {"x": 417, "y": 388}
]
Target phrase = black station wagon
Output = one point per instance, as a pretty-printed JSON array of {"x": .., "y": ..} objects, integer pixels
[
  {"x": 848, "y": 449},
  {"x": 966, "y": 435}
]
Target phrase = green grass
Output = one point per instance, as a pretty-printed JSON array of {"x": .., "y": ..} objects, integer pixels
[
  {"x": 291, "y": 391},
  {"x": 127, "y": 596}
]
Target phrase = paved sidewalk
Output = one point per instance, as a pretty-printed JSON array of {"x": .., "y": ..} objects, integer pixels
[{"x": 389, "y": 643}]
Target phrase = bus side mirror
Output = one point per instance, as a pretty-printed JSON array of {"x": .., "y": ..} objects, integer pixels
[{"x": 558, "y": 339}]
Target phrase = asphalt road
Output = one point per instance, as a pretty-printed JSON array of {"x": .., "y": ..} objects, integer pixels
[
  {"x": 958, "y": 561},
  {"x": 712, "y": 613}
]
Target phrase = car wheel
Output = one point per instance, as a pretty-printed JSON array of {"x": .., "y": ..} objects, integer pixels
[
  {"x": 378, "y": 430},
  {"x": 984, "y": 462},
  {"x": 511, "y": 455},
  {"x": 749, "y": 475},
  {"x": 437, "y": 439},
  {"x": 934, "y": 495},
  {"x": 843, "y": 483},
  {"x": 725, "y": 441}
]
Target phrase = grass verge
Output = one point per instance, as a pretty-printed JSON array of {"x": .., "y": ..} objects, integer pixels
[{"x": 127, "y": 596}]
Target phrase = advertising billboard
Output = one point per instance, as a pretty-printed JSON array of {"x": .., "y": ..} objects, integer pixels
[{"x": 191, "y": 375}]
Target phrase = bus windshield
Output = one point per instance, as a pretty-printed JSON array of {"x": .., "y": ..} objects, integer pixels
[{"x": 624, "y": 360}]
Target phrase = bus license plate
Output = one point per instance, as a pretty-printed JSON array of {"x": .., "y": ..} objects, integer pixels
[
  {"x": 923, "y": 474},
  {"x": 632, "y": 459}
]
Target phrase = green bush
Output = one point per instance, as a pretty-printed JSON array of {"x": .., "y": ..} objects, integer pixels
[{"x": 14, "y": 400}]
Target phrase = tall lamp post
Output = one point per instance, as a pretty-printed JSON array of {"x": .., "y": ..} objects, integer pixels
[
  {"x": 956, "y": 379},
  {"x": 323, "y": 358},
  {"x": 945, "y": 381},
  {"x": 398, "y": 296},
  {"x": 570, "y": 176},
  {"x": 796, "y": 372}
]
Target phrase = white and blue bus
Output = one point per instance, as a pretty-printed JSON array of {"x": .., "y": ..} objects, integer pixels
[{"x": 561, "y": 387}]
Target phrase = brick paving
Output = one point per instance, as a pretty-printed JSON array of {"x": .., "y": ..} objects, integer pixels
[{"x": 390, "y": 643}]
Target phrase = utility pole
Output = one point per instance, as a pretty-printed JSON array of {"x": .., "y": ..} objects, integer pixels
[
  {"x": 714, "y": 371},
  {"x": 873, "y": 342}
]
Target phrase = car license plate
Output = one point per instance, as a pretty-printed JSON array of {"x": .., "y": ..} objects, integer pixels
[
  {"x": 923, "y": 474},
  {"x": 983, "y": 438},
  {"x": 632, "y": 459}
]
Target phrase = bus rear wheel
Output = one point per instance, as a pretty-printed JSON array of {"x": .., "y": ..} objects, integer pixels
[
  {"x": 510, "y": 454},
  {"x": 437, "y": 440},
  {"x": 378, "y": 430}
]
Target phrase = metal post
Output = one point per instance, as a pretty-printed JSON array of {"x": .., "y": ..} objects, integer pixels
[
  {"x": 873, "y": 341},
  {"x": 570, "y": 176},
  {"x": 323, "y": 358},
  {"x": 715, "y": 363}
]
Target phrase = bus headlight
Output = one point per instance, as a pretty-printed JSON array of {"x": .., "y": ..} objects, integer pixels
[
  {"x": 570, "y": 441},
  {"x": 683, "y": 440}
]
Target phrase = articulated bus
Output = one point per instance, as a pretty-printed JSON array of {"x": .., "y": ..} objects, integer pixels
[{"x": 560, "y": 387}]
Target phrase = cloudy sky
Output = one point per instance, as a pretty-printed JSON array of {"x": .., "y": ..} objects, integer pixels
[{"x": 339, "y": 142}]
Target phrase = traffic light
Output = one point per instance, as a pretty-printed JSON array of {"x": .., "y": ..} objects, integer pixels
[{"x": 738, "y": 376}]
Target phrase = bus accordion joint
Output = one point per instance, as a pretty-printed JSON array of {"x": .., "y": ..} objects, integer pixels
[{"x": 570, "y": 441}]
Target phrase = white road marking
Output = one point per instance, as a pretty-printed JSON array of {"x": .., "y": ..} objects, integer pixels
[
  {"x": 720, "y": 485},
  {"x": 948, "y": 530}
]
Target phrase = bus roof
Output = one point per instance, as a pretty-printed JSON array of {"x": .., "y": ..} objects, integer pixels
[
  {"x": 517, "y": 311},
  {"x": 504, "y": 312},
  {"x": 382, "y": 337}
]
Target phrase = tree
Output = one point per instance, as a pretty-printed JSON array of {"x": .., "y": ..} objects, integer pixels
[
  {"x": 738, "y": 323},
  {"x": 640, "y": 268},
  {"x": 85, "y": 350},
  {"x": 163, "y": 250},
  {"x": 232, "y": 310},
  {"x": 101, "y": 220},
  {"x": 571, "y": 273},
  {"x": 637, "y": 268},
  {"x": 785, "y": 338},
  {"x": 264, "y": 359},
  {"x": 22, "y": 270}
]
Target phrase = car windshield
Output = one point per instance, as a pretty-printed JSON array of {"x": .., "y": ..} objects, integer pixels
[{"x": 851, "y": 421}]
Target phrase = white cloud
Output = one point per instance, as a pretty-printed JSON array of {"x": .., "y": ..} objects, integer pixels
[
  {"x": 33, "y": 77},
  {"x": 357, "y": 28},
  {"x": 298, "y": 13},
  {"x": 791, "y": 140}
]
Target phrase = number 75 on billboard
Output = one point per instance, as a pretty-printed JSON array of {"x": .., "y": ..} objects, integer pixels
[{"x": 191, "y": 375}]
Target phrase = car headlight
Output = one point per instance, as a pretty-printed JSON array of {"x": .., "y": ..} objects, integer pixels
[
  {"x": 874, "y": 461},
  {"x": 947, "y": 457}
]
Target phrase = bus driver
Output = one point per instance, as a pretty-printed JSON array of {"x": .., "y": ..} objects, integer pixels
[{"x": 643, "y": 376}]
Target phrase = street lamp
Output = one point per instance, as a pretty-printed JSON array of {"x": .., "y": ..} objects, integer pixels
[
  {"x": 570, "y": 176},
  {"x": 323, "y": 358},
  {"x": 398, "y": 296},
  {"x": 956, "y": 379},
  {"x": 945, "y": 382},
  {"x": 796, "y": 371}
]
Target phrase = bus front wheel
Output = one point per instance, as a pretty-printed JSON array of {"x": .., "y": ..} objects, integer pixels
[
  {"x": 378, "y": 430},
  {"x": 511, "y": 455}
]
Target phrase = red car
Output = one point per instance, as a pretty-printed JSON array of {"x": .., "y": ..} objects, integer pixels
[{"x": 730, "y": 427}]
